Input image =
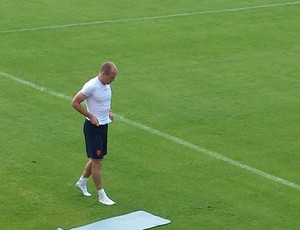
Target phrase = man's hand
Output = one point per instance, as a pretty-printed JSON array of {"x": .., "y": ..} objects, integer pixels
[
  {"x": 94, "y": 121},
  {"x": 111, "y": 115}
]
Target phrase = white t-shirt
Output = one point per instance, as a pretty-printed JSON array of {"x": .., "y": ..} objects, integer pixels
[{"x": 98, "y": 99}]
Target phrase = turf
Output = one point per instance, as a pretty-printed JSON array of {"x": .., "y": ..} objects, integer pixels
[{"x": 226, "y": 81}]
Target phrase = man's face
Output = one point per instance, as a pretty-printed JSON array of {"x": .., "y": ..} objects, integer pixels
[{"x": 109, "y": 77}]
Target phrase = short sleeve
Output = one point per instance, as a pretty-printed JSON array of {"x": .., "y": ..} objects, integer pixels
[{"x": 88, "y": 88}]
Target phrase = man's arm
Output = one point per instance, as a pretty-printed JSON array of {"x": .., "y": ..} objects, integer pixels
[{"x": 76, "y": 104}]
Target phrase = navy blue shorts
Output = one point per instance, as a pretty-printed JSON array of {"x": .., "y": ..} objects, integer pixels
[{"x": 95, "y": 140}]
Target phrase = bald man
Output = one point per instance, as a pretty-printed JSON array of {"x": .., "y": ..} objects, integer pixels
[{"x": 97, "y": 94}]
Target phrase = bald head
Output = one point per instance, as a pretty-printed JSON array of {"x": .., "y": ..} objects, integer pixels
[
  {"x": 107, "y": 73},
  {"x": 109, "y": 68}
]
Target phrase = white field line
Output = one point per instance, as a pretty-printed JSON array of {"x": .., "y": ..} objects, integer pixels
[
  {"x": 149, "y": 18},
  {"x": 165, "y": 135}
]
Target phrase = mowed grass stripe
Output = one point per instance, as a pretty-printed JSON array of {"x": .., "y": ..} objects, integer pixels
[
  {"x": 149, "y": 18},
  {"x": 164, "y": 135}
]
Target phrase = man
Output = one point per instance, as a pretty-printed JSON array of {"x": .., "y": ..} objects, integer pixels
[{"x": 97, "y": 94}]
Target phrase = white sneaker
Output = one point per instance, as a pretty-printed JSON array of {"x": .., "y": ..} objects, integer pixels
[
  {"x": 105, "y": 200},
  {"x": 82, "y": 188}
]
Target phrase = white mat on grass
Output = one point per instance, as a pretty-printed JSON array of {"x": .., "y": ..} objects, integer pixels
[{"x": 138, "y": 220}]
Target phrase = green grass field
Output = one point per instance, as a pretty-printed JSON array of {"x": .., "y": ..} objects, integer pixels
[{"x": 222, "y": 80}]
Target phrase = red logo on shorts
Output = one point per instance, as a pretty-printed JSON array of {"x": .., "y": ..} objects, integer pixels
[{"x": 98, "y": 152}]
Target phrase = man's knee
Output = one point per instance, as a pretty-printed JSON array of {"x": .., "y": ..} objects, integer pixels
[{"x": 96, "y": 163}]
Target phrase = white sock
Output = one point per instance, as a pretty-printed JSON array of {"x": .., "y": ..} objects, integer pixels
[
  {"x": 103, "y": 198},
  {"x": 101, "y": 193},
  {"x": 83, "y": 179}
]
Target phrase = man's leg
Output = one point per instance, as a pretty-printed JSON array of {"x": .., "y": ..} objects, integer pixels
[
  {"x": 87, "y": 169},
  {"x": 97, "y": 178},
  {"x": 96, "y": 166},
  {"x": 81, "y": 183}
]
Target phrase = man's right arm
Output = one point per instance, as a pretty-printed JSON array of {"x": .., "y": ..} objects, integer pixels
[{"x": 76, "y": 104}]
